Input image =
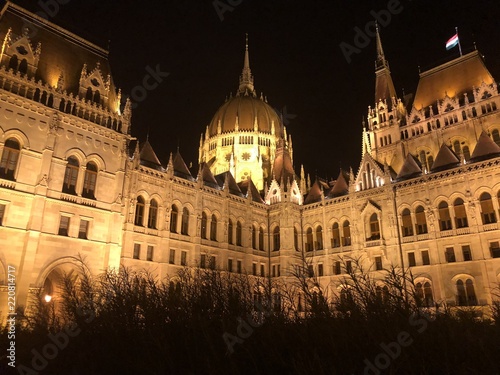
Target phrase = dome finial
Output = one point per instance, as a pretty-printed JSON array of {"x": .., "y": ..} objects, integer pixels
[{"x": 246, "y": 78}]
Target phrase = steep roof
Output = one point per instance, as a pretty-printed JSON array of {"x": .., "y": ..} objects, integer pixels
[
  {"x": 314, "y": 194},
  {"x": 282, "y": 167},
  {"x": 453, "y": 79},
  {"x": 411, "y": 168},
  {"x": 485, "y": 148},
  {"x": 148, "y": 157},
  {"x": 341, "y": 186},
  {"x": 207, "y": 176},
  {"x": 180, "y": 168},
  {"x": 445, "y": 159},
  {"x": 226, "y": 179}
]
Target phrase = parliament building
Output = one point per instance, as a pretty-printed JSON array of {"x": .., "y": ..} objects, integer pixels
[{"x": 74, "y": 183}]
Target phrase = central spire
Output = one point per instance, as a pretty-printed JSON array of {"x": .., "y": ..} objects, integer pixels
[
  {"x": 381, "y": 62},
  {"x": 384, "y": 87},
  {"x": 246, "y": 78}
]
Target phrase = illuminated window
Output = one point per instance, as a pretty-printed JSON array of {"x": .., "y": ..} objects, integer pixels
[
  {"x": 467, "y": 253},
  {"x": 150, "y": 253},
  {"x": 425, "y": 258},
  {"x": 374, "y": 227},
  {"x": 203, "y": 225},
  {"x": 254, "y": 237},
  {"x": 10, "y": 156},
  {"x": 137, "y": 251},
  {"x": 230, "y": 232},
  {"x": 2, "y": 213},
  {"x": 171, "y": 256},
  {"x": 346, "y": 233},
  {"x": 309, "y": 239},
  {"x": 276, "y": 239},
  {"x": 174, "y": 214},
  {"x": 407, "y": 225},
  {"x": 213, "y": 228},
  {"x": 487, "y": 211},
  {"x": 335, "y": 235},
  {"x": 70, "y": 176},
  {"x": 466, "y": 295},
  {"x": 421, "y": 221},
  {"x": 185, "y": 221},
  {"x": 89, "y": 181},
  {"x": 450, "y": 255},
  {"x": 319, "y": 238},
  {"x": 424, "y": 294},
  {"x": 238, "y": 233},
  {"x": 460, "y": 214},
  {"x": 139, "y": 211},
  {"x": 83, "y": 229},
  {"x": 444, "y": 216},
  {"x": 64, "y": 226},
  {"x": 411, "y": 260},
  {"x": 153, "y": 214}
]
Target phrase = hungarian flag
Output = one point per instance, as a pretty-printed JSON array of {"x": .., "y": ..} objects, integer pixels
[{"x": 452, "y": 42}]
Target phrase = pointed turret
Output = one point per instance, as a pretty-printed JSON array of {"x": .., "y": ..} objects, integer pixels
[
  {"x": 246, "y": 78},
  {"x": 365, "y": 147},
  {"x": 384, "y": 87}
]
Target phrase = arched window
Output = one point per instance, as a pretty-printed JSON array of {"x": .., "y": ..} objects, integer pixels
[
  {"x": 444, "y": 216},
  {"x": 88, "y": 95},
  {"x": 466, "y": 153},
  {"x": 213, "y": 228},
  {"x": 203, "y": 225},
  {"x": 407, "y": 225},
  {"x": 10, "y": 156},
  {"x": 153, "y": 214},
  {"x": 139, "y": 211},
  {"x": 70, "y": 176},
  {"x": 456, "y": 147},
  {"x": 295, "y": 239},
  {"x": 276, "y": 239},
  {"x": 254, "y": 237},
  {"x": 261, "y": 238},
  {"x": 319, "y": 238},
  {"x": 174, "y": 214},
  {"x": 424, "y": 294},
  {"x": 309, "y": 239},
  {"x": 89, "y": 181},
  {"x": 460, "y": 214},
  {"x": 487, "y": 211},
  {"x": 185, "y": 221},
  {"x": 230, "y": 232},
  {"x": 13, "y": 62},
  {"x": 423, "y": 160},
  {"x": 346, "y": 233},
  {"x": 466, "y": 295},
  {"x": 335, "y": 235},
  {"x": 374, "y": 228},
  {"x": 421, "y": 221},
  {"x": 97, "y": 97},
  {"x": 238, "y": 233},
  {"x": 23, "y": 66},
  {"x": 496, "y": 136}
]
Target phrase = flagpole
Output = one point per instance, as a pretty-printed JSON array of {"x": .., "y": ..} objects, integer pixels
[{"x": 459, "y": 46}]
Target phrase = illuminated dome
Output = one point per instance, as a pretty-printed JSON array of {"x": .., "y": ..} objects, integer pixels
[
  {"x": 245, "y": 112},
  {"x": 243, "y": 135}
]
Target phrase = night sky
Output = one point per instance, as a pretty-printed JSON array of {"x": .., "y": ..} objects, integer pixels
[{"x": 294, "y": 56}]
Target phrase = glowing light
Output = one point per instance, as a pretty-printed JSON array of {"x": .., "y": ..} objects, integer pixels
[{"x": 47, "y": 298}]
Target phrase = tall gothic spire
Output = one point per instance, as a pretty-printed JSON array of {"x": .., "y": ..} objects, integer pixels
[
  {"x": 246, "y": 78},
  {"x": 384, "y": 87}
]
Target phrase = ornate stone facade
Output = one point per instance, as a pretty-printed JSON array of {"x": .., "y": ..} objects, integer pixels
[{"x": 73, "y": 183}]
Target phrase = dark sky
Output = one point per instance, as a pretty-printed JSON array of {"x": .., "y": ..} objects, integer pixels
[{"x": 294, "y": 56}]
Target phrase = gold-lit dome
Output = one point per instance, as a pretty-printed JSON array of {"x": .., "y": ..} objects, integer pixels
[{"x": 245, "y": 113}]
